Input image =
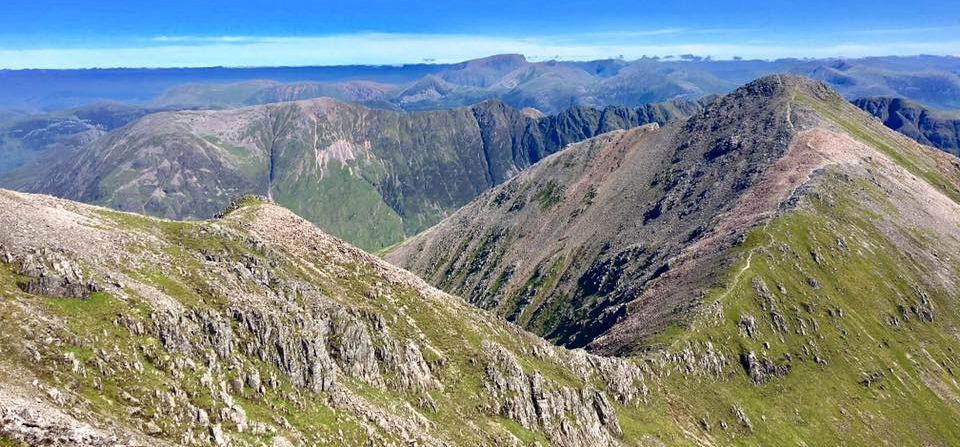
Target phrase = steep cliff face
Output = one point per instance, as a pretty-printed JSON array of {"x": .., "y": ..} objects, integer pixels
[{"x": 369, "y": 176}]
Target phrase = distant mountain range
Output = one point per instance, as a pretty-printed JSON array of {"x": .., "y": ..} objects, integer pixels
[
  {"x": 550, "y": 86},
  {"x": 555, "y": 85},
  {"x": 370, "y": 176}
]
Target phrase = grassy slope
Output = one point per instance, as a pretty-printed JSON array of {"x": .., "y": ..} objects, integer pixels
[
  {"x": 828, "y": 402},
  {"x": 140, "y": 366},
  {"x": 855, "y": 377},
  {"x": 343, "y": 204}
]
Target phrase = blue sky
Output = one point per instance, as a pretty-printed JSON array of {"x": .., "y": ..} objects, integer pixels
[{"x": 110, "y": 33}]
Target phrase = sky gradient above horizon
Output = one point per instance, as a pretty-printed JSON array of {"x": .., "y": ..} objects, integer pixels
[{"x": 180, "y": 33}]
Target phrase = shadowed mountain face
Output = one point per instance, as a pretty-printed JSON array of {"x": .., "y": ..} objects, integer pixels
[
  {"x": 618, "y": 238},
  {"x": 371, "y": 176},
  {"x": 924, "y": 125},
  {"x": 779, "y": 268}
]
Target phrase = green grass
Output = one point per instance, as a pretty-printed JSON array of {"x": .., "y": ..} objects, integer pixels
[
  {"x": 344, "y": 205},
  {"x": 525, "y": 436},
  {"x": 248, "y": 165},
  {"x": 7, "y": 442},
  {"x": 549, "y": 195},
  {"x": 826, "y": 403}
]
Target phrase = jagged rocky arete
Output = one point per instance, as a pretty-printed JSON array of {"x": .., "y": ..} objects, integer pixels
[
  {"x": 366, "y": 175},
  {"x": 781, "y": 232},
  {"x": 562, "y": 248}
]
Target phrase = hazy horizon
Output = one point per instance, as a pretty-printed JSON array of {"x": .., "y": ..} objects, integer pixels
[{"x": 179, "y": 34}]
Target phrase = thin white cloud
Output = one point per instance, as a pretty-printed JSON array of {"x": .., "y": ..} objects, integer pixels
[
  {"x": 917, "y": 31},
  {"x": 195, "y": 39},
  {"x": 381, "y": 48}
]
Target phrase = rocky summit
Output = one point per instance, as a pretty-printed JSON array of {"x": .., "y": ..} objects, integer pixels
[{"x": 779, "y": 269}]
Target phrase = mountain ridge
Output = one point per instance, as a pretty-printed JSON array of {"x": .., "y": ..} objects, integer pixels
[
  {"x": 702, "y": 172},
  {"x": 368, "y": 175},
  {"x": 818, "y": 303},
  {"x": 924, "y": 125}
]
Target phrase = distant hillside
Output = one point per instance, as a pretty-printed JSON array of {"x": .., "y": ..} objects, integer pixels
[
  {"x": 924, "y": 125},
  {"x": 370, "y": 176},
  {"x": 26, "y": 137}
]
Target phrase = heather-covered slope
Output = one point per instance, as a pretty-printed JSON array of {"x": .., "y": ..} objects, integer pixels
[
  {"x": 614, "y": 242},
  {"x": 369, "y": 176}
]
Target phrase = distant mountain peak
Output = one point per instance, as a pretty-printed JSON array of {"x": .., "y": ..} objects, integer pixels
[{"x": 506, "y": 59}]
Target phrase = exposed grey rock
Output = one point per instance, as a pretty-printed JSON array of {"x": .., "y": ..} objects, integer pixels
[
  {"x": 253, "y": 380},
  {"x": 923, "y": 308},
  {"x": 698, "y": 359},
  {"x": 53, "y": 274},
  {"x": 217, "y": 437},
  {"x": 761, "y": 369},
  {"x": 748, "y": 325},
  {"x": 151, "y": 428},
  {"x": 570, "y": 417},
  {"x": 742, "y": 418}
]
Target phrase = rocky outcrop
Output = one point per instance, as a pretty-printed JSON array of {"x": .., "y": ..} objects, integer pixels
[
  {"x": 51, "y": 273},
  {"x": 569, "y": 417},
  {"x": 228, "y": 330}
]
